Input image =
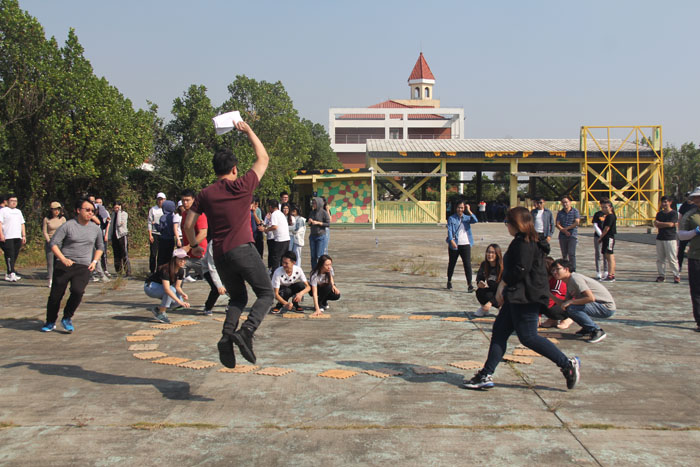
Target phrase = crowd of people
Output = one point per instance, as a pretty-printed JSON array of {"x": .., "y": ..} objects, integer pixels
[{"x": 217, "y": 235}]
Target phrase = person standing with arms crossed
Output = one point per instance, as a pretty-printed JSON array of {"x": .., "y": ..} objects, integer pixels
[
  {"x": 153, "y": 233},
  {"x": 73, "y": 244},
  {"x": 607, "y": 238},
  {"x": 568, "y": 219},
  {"x": 226, "y": 203},
  {"x": 667, "y": 241}
]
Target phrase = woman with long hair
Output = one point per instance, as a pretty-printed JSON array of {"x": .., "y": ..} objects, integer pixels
[
  {"x": 487, "y": 279},
  {"x": 298, "y": 231},
  {"x": 51, "y": 223},
  {"x": 166, "y": 284},
  {"x": 322, "y": 285},
  {"x": 523, "y": 294},
  {"x": 459, "y": 242}
]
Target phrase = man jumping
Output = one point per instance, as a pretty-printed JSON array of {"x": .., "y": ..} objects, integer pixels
[{"x": 226, "y": 204}]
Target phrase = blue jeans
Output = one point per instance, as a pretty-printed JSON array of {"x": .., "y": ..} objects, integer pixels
[
  {"x": 523, "y": 320},
  {"x": 318, "y": 246},
  {"x": 582, "y": 314},
  {"x": 156, "y": 290}
]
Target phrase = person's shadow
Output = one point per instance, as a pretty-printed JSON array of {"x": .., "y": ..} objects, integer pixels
[{"x": 175, "y": 390}]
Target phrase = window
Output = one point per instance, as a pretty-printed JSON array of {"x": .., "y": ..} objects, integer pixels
[
  {"x": 417, "y": 93},
  {"x": 427, "y": 93}
]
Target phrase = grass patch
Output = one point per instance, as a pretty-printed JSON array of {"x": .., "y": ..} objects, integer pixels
[
  {"x": 4, "y": 425},
  {"x": 162, "y": 426},
  {"x": 117, "y": 282}
]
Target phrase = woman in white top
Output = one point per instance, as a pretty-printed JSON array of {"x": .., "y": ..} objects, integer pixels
[
  {"x": 290, "y": 285},
  {"x": 322, "y": 284},
  {"x": 298, "y": 231},
  {"x": 12, "y": 236},
  {"x": 459, "y": 242}
]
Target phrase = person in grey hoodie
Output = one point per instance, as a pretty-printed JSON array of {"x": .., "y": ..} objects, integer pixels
[{"x": 319, "y": 220}]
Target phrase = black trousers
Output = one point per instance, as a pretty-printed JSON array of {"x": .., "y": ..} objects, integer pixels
[
  {"x": 682, "y": 244},
  {"x": 289, "y": 291},
  {"x": 153, "y": 257},
  {"x": 213, "y": 292},
  {"x": 465, "y": 252},
  {"x": 103, "y": 258},
  {"x": 78, "y": 275},
  {"x": 120, "y": 249},
  {"x": 259, "y": 244},
  {"x": 11, "y": 247},
  {"x": 694, "y": 279},
  {"x": 165, "y": 250},
  {"x": 485, "y": 295},
  {"x": 325, "y": 293},
  {"x": 236, "y": 267},
  {"x": 556, "y": 313},
  {"x": 275, "y": 250}
]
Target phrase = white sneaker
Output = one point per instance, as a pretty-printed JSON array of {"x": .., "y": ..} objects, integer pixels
[
  {"x": 8, "y": 277},
  {"x": 480, "y": 312},
  {"x": 599, "y": 276},
  {"x": 14, "y": 277},
  {"x": 95, "y": 279},
  {"x": 50, "y": 283},
  {"x": 189, "y": 279}
]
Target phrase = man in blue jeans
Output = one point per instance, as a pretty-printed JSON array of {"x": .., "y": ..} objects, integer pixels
[
  {"x": 226, "y": 203},
  {"x": 586, "y": 298}
]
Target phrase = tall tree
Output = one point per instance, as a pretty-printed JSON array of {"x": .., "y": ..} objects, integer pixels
[
  {"x": 321, "y": 154},
  {"x": 681, "y": 169}
]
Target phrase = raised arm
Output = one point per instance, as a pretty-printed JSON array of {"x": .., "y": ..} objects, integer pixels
[{"x": 262, "y": 159}]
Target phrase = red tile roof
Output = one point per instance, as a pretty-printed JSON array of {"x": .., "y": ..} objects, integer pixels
[
  {"x": 390, "y": 104},
  {"x": 421, "y": 70}
]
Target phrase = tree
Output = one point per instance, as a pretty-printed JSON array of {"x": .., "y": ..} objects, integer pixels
[
  {"x": 321, "y": 154},
  {"x": 270, "y": 112},
  {"x": 681, "y": 169}
]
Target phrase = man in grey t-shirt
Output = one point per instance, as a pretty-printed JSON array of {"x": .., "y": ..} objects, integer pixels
[
  {"x": 586, "y": 298},
  {"x": 78, "y": 246}
]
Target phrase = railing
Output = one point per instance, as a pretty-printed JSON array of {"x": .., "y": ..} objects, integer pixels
[
  {"x": 408, "y": 212},
  {"x": 362, "y": 139}
]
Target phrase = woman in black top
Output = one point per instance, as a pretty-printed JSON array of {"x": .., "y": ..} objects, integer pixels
[
  {"x": 523, "y": 294},
  {"x": 487, "y": 279},
  {"x": 158, "y": 285}
]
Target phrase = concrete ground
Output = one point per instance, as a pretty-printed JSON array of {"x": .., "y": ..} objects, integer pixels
[{"x": 85, "y": 399}]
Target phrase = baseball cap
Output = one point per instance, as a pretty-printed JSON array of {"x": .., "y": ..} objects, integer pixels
[
  {"x": 179, "y": 203},
  {"x": 179, "y": 253},
  {"x": 695, "y": 192},
  {"x": 55, "y": 205},
  {"x": 160, "y": 195}
]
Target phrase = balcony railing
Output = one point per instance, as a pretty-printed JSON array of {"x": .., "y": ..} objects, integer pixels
[{"x": 362, "y": 139}]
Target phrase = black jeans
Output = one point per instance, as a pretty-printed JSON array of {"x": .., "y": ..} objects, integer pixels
[
  {"x": 465, "y": 252},
  {"x": 694, "y": 280},
  {"x": 120, "y": 249},
  {"x": 523, "y": 320},
  {"x": 78, "y": 275},
  {"x": 165, "y": 250},
  {"x": 682, "y": 244},
  {"x": 153, "y": 257},
  {"x": 259, "y": 244},
  {"x": 275, "y": 251},
  {"x": 325, "y": 293},
  {"x": 236, "y": 267},
  {"x": 11, "y": 247}
]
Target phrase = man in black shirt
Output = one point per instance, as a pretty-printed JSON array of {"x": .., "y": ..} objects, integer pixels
[
  {"x": 667, "y": 241},
  {"x": 682, "y": 211},
  {"x": 598, "y": 219},
  {"x": 607, "y": 238}
]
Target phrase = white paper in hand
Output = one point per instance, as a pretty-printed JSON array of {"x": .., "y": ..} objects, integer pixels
[{"x": 226, "y": 122}]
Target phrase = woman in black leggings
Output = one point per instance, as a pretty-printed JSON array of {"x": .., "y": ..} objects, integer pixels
[{"x": 523, "y": 293}]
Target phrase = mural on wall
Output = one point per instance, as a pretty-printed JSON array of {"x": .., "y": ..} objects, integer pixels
[{"x": 349, "y": 200}]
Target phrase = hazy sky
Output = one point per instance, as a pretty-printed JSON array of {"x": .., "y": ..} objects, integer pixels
[{"x": 521, "y": 69}]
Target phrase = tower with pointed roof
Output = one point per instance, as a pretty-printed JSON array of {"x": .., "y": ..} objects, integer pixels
[{"x": 421, "y": 80}]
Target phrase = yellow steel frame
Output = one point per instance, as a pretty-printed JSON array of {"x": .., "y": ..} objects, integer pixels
[{"x": 644, "y": 177}]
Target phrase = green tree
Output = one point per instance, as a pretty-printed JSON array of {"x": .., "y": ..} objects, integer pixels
[
  {"x": 681, "y": 169},
  {"x": 269, "y": 110},
  {"x": 188, "y": 142},
  {"x": 321, "y": 154}
]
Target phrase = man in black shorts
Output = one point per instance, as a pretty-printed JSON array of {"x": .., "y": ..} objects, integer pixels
[{"x": 226, "y": 204}]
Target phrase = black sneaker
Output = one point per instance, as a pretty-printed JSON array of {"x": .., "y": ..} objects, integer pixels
[
  {"x": 597, "y": 336},
  {"x": 275, "y": 311},
  {"x": 243, "y": 338},
  {"x": 470, "y": 289},
  {"x": 583, "y": 332},
  {"x": 226, "y": 355},
  {"x": 480, "y": 380},
  {"x": 572, "y": 373},
  {"x": 449, "y": 285}
]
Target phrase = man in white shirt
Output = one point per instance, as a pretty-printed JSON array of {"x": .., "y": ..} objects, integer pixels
[
  {"x": 279, "y": 226},
  {"x": 153, "y": 234},
  {"x": 290, "y": 285},
  {"x": 12, "y": 236}
]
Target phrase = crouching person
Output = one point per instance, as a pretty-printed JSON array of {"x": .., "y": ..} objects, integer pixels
[
  {"x": 290, "y": 285},
  {"x": 166, "y": 284}
]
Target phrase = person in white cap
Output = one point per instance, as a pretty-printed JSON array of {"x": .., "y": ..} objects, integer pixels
[
  {"x": 690, "y": 230},
  {"x": 153, "y": 234},
  {"x": 166, "y": 284}
]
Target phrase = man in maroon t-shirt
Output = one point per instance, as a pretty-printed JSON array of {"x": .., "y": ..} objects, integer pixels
[
  {"x": 194, "y": 260},
  {"x": 226, "y": 204}
]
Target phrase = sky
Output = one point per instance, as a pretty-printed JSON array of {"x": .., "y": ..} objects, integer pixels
[{"x": 520, "y": 69}]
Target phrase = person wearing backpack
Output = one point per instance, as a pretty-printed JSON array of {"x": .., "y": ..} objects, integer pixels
[{"x": 167, "y": 231}]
